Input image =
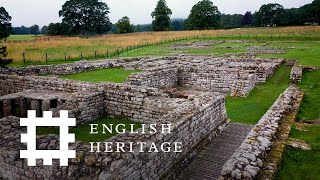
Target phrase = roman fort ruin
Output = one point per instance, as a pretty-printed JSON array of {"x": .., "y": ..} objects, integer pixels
[{"x": 185, "y": 91}]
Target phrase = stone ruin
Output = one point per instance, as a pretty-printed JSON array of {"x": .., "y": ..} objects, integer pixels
[
  {"x": 150, "y": 96},
  {"x": 251, "y": 51}
]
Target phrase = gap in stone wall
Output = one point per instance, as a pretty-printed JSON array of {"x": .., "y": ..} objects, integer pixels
[
  {"x": 53, "y": 103},
  {"x": 15, "y": 107}
]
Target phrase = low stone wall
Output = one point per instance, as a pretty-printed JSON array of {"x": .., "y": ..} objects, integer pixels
[
  {"x": 13, "y": 84},
  {"x": 242, "y": 88},
  {"x": 84, "y": 106},
  {"x": 248, "y": 159},
  {"x": 64, "y": 69},
  {"x": 130, "y": 101},
  {"x": 267, "y": 50},
  {"x": 155, "y": 77},
  {"x": 296, "y": 74},
  {"x": 201, "y": 117}
]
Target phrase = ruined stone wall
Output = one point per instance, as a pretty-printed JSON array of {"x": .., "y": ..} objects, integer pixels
[
  {"x": 248, "y": 159},
  {"x": 203, "y": 116},
  {"x": 85, "y": 107},
  {"x": 72, "y": 68},
  {"x": 239, "y": 82},
  {"x": 132, "y": 101},
  {"x": 162, "y": 77},
  {"x": 296, "y": 74},
  {"x": 12, "y": 84},
  {"x": 242, "y": 88}
]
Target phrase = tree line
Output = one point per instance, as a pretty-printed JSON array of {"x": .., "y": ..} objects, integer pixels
[{"x": 90, "y": 17}]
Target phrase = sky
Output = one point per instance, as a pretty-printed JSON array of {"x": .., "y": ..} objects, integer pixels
[{"x": 43, "y": 12}]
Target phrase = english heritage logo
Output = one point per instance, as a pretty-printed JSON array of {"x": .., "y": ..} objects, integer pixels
[{"x": 32, "y": 122}]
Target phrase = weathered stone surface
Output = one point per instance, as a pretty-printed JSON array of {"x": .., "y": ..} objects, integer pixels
[{"x": 259, "y": 141}]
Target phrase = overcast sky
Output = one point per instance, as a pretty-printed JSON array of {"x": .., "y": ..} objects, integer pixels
[{"x": 43, "y": 12}]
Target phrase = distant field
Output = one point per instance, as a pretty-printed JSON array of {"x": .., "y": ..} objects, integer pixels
[
  {"x": 21, "y": 37},
  {"x": 59, "y": 48}
]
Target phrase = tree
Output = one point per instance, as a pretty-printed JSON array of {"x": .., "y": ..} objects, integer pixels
[
  {"x": 143, "y": 27},
  {"x": 21, "y": 30},
  {"x": 228, "y": 21},
  {"x": 269, "y": 15},
  {"x": 124, "y": 25},
  {"x": 35, "y": 30},
  {"x": 3, "y": 57},
  {"x": 161, "y": 16},
  {"x": 44, "y": 30},
  {"x": 5, "y": 29},
  {"x": 316, "y": 10},
  {"x": 203, "y": 15},
  {"x": 56, "y": 29},
  {"x": 5, "y": 25},
  {"x": 178, "y": 24},
  {"x": 247, "y": 19},
  {"x": 85, "y": 17},
  {"x": 305, "y": 14}
]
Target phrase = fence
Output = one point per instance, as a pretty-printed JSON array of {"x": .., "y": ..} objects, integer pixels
[
  {"x": 98, "y": 54},
  {"x": 121, "y": 51}
]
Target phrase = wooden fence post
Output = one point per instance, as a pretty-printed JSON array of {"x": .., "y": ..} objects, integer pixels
[
  {"x": 46, "y": 57},
  {"x": 95, "y": 54},
  {"x": 81, "y": 56},
  {"x": 107, "y": 53},
  {"x": 65, "y": 56},
  {"x": 118, "y": 52},
  {"x": 24, "y": 57}
]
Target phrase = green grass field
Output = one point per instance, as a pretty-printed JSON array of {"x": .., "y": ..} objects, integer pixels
[
  {"x": 299, "y": 164},
  {"x": 310, "y": 108},
  {"x": 21, "y": 37},
  {"x": 82, "y": 131},
  {"x": 307, "y": 53},
  {"x": 102, "y": 75},
  {"x": 250, "y": 110}
]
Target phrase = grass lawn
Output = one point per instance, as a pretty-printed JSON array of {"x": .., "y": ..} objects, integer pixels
[
  {"x": 102, "y": 75},
  {"x": 310, "y": 107},
  {"x": 250, "y": 110},
  {"x": 298, "y": 164},
  {"x": 82, "y": 131},
  {"x": 21, "y": 37},
  {"x": 307, "y": 53}
]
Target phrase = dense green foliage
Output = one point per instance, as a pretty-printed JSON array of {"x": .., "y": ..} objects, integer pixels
[
  {"x": 82, "y": 131},
  {"x": 44, "y": 30},
  {"x": 3, "y": 57},
  {"x": 228, "y": 21},
  {"x": 178, "y": 24},
  {"x": 85, "y": 17},
  {"x": 5, "y": 25},
  {"x": 269, "y": 15},
  {"x": 203, "y": 15},
  {"x": 124, "y": 26},
  {"x": 161, "y": 16},
  {"x": 35, "y": 30},
  {"x": 102, "y": 75},
  {"x": 247, "y": 19},
  {"x": 56, "y": 29}
]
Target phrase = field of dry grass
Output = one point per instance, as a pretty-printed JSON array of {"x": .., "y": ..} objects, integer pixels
[{"x": 57, "y": 47}]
